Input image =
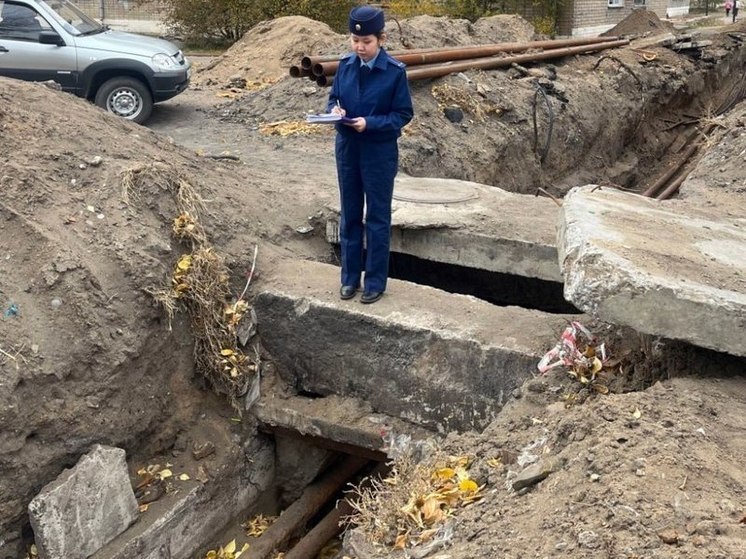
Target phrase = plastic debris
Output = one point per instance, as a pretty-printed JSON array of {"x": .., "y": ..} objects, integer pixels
[
  {"x": 580, "y": 353},
  {"x": 12, "y": 310}
]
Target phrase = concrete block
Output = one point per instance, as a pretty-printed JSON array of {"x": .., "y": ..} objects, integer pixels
[
  {"x": 438, "y": 360},
  {"x": 671, "y": 269},
  {"x": 85, "y": 507},
  {"x": 453, "y": 222},
  {"x": 178, "y": 525}
]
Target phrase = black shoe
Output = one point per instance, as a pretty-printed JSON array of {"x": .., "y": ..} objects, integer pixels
[
  {"x": 371, "y": 297},
  {"x": 347, "y": 292}
]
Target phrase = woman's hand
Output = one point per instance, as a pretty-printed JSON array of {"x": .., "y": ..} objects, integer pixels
[
  {"x": 358, "y": 124},
  {"x": 337, "y": 110}
]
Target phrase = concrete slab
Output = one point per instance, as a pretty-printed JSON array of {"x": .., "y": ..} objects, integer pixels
[
  {"x": 472, "y": 225},
  {"x": 672, "y": 269},
  {"x": 85, "y": 508},
  {"x": 338, "y": 423},
  {"x": 438, "y": 360}
]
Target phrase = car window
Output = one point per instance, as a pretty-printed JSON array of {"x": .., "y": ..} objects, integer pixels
[
  {"x": 71, "y": 17},
  {"x": 20, "y": 22}
]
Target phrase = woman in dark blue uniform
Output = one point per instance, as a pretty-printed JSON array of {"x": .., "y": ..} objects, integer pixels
[{"x": 371, "y": 89}]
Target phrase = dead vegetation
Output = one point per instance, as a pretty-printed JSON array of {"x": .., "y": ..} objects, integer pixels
[{"x": 200, "y": 282}]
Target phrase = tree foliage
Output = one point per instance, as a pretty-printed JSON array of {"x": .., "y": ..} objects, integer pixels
[{"x": 230, "y": 19}]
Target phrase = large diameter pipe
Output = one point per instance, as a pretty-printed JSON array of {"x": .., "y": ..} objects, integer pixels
[
  {"x": 328, "y": 68},
  {"x": 438, "y": 70},
  {"x": 298, "y": 72}
]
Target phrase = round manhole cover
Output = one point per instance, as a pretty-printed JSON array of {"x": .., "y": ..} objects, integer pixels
[{"x": 434, "y": 191}]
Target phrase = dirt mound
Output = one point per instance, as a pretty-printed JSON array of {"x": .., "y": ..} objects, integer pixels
[
  {"x": 640, "y": 22},
  {"x": 86, "y": 355},
  {"x": 267, "y": 50},
  {"x": 433, "y": 32},
  {"x": 655, "y": 473}
]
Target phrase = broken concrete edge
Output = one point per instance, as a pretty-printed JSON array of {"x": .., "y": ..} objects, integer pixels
[
  {"x": 441, "y": 361},
  {"x": 353, "y": 428},
  {"x": 461, "y": 247},
  {"x": 185, "y": 525},
  {"x": 612, "y": 289},
  {"x": 85, "y": 508}
]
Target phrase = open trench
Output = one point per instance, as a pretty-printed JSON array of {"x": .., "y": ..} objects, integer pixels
[{"x": 311, "y": 454}]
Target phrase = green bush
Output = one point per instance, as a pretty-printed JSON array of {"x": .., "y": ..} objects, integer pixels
[{"x": 230, "y": 19}]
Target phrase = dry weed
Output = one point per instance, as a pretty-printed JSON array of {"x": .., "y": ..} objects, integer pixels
[
  {"x": 408, "y": 507},
  {"x": 292, "y": 128},
  {"x": 475, "y": 104},
  {"x": 200, "y": 282}
]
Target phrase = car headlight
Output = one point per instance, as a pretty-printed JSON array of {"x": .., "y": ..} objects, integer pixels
[{"x": 163, "y": 61}]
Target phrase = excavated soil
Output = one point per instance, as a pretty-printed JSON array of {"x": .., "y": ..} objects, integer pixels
[{"x": 88, "y": 356}]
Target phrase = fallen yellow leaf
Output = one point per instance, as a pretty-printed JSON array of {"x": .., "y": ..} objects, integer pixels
[
  {"x": 468, "y": 486},
  {"x": 401, "y": 541},
  {"x": 184, "y": 477},
  {"x": 164, "y": 473}
]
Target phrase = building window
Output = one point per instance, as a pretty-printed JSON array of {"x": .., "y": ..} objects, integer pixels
[
  {"x": 639, "y": 2},
  {"x": 615, "y": 3}
]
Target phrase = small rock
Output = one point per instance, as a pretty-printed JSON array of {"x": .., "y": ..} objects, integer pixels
[
  {"x": 56, "y": 303},
  {"x": 589, "y": 539},
  {"x": 82, "y": 166},
  {"x": 96, "y": 161},
  {"x": 669, "y": 536},
  {"x": 453, "y": 114},
  {"x": 595, "y": 477},
  {"x": 200, "y": 451},
  {"x": 531, "y": 476}
]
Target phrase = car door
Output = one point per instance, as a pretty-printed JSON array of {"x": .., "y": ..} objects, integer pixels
[{"x": 22, "y": 56}]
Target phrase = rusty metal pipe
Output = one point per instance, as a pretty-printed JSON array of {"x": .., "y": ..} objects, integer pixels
[
  {"x": 324, "y": 81},
  {"x": 307, "y": 61},
  {"x": 438, "y": 70},
  {"x": 298, "y": 72},
  {"x": 313, "y": 498},
  {"x": 663, "y": 180},
  {"x": 329, "y": 68},
  {"x": 319, "y": 535}
]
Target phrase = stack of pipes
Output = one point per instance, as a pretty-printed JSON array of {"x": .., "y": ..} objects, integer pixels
[{"x": 433, "y": 63}]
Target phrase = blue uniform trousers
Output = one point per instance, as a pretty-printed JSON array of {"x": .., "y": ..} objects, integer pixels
[{"x": 366, "y": 172}]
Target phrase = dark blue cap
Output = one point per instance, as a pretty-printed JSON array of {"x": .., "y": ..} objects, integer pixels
[{"x": 366, "y": 20}]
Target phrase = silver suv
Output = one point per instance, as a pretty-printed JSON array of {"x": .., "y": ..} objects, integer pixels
[{"x": 121, "y": 72}]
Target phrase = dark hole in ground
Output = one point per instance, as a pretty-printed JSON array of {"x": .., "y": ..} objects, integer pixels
[{"x": 493, "y": 287}]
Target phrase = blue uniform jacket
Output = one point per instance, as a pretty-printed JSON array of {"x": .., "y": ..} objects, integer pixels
[{"x": 380, "y": 95}]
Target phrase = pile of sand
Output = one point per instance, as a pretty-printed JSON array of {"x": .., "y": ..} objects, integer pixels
[
  {"x": 640, "y": 22},
  {"x": 267, "y": 50}
]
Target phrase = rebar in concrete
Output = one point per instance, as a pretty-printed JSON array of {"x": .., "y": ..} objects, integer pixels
[{"x": 313, "y": 498}]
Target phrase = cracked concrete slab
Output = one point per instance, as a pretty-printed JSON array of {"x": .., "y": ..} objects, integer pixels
[
  {"x": 672, "y": 269},
  {"x": 472, "y": 225},
  {"x": 438, "y": 360}
]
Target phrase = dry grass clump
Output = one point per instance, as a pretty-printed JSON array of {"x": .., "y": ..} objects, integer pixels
[
  {"x": 473, "y": 103},
  {"x": 292, "y": 128},
  {"x": 200, "y": 282},
  {"x": 411, "y": 507}
]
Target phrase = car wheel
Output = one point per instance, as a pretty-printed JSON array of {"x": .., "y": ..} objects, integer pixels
[{"x": 125, "y": 97}]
